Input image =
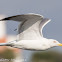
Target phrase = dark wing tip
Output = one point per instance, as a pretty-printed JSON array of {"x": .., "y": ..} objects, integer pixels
[
  {"x": 9, "y": 18},
  {"x": 6, "y": 19}
]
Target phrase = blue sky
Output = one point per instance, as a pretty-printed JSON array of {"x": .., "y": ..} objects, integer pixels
[{"x": 48, "y": 8}]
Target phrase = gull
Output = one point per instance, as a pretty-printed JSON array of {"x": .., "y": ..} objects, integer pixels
[{"x": 30, "y": 35}]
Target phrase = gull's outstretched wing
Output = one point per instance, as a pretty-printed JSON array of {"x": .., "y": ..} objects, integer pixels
[
  {"x": 24, "y": 18},
  {"x": 34, "y": 21}
]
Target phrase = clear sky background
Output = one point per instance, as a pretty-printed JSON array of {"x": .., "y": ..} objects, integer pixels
[{"x": 48, "y": 8}]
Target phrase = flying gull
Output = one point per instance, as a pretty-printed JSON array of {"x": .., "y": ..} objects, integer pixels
[{"x": 30, "y": 35}]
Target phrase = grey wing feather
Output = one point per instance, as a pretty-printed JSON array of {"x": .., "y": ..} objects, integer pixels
[
  {"x": 32, "y": 18},
  {"x": 18, "y": 18},
  {"x": 22, "y": 17}
]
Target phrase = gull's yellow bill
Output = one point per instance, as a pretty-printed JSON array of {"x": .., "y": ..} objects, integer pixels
[{"x": 60, "y": 44}]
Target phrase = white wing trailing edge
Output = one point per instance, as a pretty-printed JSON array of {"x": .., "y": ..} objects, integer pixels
[{"x": 43, "y": 23}]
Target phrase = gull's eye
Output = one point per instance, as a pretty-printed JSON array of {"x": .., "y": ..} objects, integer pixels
[{"x": 54, "y": 41}]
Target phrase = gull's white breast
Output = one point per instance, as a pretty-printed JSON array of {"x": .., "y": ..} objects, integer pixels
[{"x": 33, "y": 44}]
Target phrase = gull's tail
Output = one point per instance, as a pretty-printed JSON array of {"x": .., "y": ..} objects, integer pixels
[{"x": 4, "y": 44}]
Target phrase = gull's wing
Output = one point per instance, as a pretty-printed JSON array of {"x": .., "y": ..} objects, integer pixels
[
  {"x": 28, "y": 20},
  {"x": 23, "y": 18}
]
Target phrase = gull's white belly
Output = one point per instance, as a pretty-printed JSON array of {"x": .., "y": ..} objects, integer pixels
[{"x": 31, "y": 44}]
